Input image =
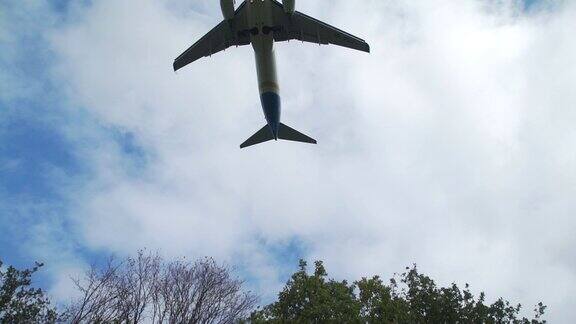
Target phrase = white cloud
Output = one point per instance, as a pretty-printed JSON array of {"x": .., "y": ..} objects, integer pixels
[{"x": 450, "y": 145}]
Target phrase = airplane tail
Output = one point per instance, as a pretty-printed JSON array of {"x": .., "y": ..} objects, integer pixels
[
  {"x": 284, "y": 133},
  {"x": 290, "y": 134}
]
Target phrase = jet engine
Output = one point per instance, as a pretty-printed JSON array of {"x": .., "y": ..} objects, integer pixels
[
  {"x": 227, "y": 7},
  {"x": 289, "y": 6}
]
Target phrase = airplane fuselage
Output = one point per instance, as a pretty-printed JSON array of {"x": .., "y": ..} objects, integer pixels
[
  {"x": 261, "y": 23},
  {"x": 261, "y": 37}
]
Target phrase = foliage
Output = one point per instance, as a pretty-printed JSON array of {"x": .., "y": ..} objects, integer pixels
[
  {"x": 410, "y": 297},
  {"x": 312, "y": 298},
  {"x": 19, "y": 301}
]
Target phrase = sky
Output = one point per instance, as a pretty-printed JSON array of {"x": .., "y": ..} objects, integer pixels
[{"x": 450, "y": 145}]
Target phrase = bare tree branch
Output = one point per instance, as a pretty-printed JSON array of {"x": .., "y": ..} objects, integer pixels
[{"x": 148, "y": 289}]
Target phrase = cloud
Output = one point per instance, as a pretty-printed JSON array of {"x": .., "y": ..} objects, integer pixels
[{"x": 449, "y": 145}]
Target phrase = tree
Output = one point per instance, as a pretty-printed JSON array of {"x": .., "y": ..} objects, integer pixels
[
  {"x": 312, "y": 298},
  {"x": 19, "y": 301},
  {"x": 146, "y": 288},
  {"x": 410, "y": 297}
]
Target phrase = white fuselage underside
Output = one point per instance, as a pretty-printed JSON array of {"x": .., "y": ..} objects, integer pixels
[{"x": 260, "y": 15}]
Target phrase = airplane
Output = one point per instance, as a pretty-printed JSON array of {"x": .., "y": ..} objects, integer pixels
[{"x": 261, "y": 23}]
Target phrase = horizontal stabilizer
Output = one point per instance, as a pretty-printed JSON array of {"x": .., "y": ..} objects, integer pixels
[
  {"x": 261, "y": 136},
  {"x": 284, "y": 133},
  {"x": 290, "y": 134}
]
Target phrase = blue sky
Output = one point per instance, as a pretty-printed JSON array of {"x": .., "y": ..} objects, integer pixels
[
  {"x": 67, "y": 161},
  {"x": 33, "y": 144},
  {"x": 38, "y": 159}
]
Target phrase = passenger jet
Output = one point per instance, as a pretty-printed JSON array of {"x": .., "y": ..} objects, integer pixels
[{"x": 261, "y": 23}]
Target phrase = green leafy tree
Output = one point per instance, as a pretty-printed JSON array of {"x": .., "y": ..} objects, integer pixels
[
  {"x": 21, "y": 303},
  {"x": 410, "y": 297},
  {"x": 312, "y": 299}
]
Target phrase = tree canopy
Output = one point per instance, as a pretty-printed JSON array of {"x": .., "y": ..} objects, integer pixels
[
  {"x": 410, "y": 297},
  {"x": 143, "y": 289},
  {"x": 19, "y": 301},
  {"x": 148, "y": 289}
]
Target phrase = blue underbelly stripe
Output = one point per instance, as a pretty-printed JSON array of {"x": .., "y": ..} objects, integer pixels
[{"x": 271, "y": 106}]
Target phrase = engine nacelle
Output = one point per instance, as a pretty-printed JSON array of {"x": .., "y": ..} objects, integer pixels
[
  {"x": 289, "y": 6},
  {"x": 227, "y": 7}
]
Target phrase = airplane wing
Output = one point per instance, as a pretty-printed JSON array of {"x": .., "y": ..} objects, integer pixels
[
  {"x": 307, "y": 29},
  {"x": 225, "y": 34}
]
